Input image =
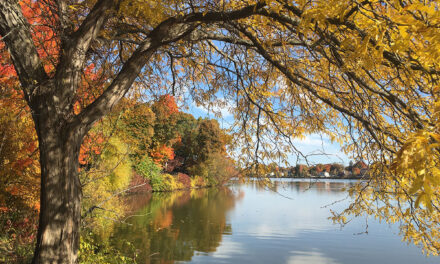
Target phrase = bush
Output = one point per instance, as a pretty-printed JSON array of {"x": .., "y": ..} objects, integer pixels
[
  {"x": 161, "y": 182},
  {"x": 169, "y": 183},
  {"x": 109, "y": 174},
  {"x": 92, "y": 252},
  {"x": 217, "y": 169},
  {"x": 197, "y": 181},
  {"x": 116, "y": 163},
  {"x": 17, "y": 238},
  {"x": 200, "y": 170},
  {"x": 149, "y": 170},
  {"x": 184, "y": 179},
  {"x": 139, "y": 183}
]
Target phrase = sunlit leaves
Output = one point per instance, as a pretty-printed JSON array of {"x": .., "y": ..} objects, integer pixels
[{"x": 365, "y": 74}]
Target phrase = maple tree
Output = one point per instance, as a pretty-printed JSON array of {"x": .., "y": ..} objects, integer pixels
[
  {"x": 137, "y": 126},
  {"x": 18, "y": 150},
  {"x": 19, "y": 145},
  {"x": 364, "y": 73},
  {"x": 165, "y": 134},
  {"x": 19, "y": 158}
]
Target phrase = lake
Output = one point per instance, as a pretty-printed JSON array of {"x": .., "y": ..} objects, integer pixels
[{"x": 250, "y": 223}]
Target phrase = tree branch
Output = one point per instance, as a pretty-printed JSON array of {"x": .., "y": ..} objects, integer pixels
[
  {"x": 294, "y": 79},
  {"x": 16, "y": 33},
  {"x": 170, "y": 30},
  {"x": 74, "y": 49}
]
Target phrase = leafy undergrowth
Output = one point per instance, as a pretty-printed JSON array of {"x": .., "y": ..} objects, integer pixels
[
  {"x": 93, "y": 252},
  {"x": 17, "y": 237},
  {"x": 160, "y": 182}
]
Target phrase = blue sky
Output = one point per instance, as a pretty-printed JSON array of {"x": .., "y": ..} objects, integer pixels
[{"x": 314, "y": 144}]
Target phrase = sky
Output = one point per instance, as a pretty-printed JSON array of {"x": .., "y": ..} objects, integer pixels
[{"x": 313, "y": 144}]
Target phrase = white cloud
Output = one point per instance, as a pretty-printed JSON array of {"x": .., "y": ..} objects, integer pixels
[
  {"x": 320, "y": 149},
  {"x": 307, "y": 257},
  {"x": 313, "y": 140},
  {"x": 223, "y": 108}
]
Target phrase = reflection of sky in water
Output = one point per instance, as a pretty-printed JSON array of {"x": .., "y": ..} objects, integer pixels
[
  {"x": 228, "y": 249},
  {"x": 268, "y": 214},
  {"x": 268, "y": 228},
  {"x": 307, "y": 257}
]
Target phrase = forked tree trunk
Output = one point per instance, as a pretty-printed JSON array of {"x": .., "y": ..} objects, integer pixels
[{"x": 60, "y": 211}]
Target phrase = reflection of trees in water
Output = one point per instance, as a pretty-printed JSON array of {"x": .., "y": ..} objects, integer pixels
[
  {"x": 174, "y": 225},
  {"x": 299, "y": 186},
  {"x": 319, "y": 186},
  {"x": 135, "y": 202}
]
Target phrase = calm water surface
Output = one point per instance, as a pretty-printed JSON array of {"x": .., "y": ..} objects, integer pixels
[{"x": 247, "y": 223}]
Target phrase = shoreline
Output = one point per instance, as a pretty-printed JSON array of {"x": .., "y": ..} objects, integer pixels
[
  {"x": 320, "y": 178},
  {"x": 313, "y": 178}
]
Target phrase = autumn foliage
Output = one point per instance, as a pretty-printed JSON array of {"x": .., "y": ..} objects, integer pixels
[
  {"x": 19, "y": 157},
  {"x": 364, "y": 73}
]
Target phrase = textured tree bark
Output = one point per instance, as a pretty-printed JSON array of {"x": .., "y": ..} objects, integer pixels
[{"x": 60, "y": 198}]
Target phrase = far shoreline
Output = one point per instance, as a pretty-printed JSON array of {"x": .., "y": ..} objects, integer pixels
[{"x": 311, "y": 178}]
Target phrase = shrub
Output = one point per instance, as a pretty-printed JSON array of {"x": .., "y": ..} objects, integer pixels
[
  {"x": 184, "y": 179},
  {"x": 197, "y": 181},
  {"x": 173, "y": 164},
  {"x": 116, "y": 164},
  {"x": 169, "y": 183},
  {"x": 109, "y": 174},
  {"x": 217, "y": 169},
  {"x": 139, "y": 183},
  {"x": 200, "y": 170},
  {"x": 17, "y": 238},
  {"x": 147, "y": 168},
  {"x": 92, "y": 252}
]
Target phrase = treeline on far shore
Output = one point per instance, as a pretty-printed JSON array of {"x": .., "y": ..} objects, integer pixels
[{"x": 355, "y": 170}]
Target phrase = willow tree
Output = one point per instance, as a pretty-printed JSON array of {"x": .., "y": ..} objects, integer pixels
[{"x": 364, "y": 73}]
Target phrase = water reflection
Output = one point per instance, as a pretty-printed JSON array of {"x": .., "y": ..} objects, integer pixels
[
  {"x": 286, "y": 222},
  {"x": 307, "y": 257},
  {"x": 301, "y": 185},
  {"x": 171, "y": 226}
]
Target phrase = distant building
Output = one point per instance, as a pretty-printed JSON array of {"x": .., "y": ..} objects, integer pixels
[
  {"x": 361, "y": 165},
  {"x": 324, "y": 174}
]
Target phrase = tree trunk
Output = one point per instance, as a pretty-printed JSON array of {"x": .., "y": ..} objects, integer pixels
[{"x": 60, "y": 199}]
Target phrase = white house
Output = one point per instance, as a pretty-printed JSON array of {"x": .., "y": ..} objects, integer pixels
[{"x": 324, "y": 174}]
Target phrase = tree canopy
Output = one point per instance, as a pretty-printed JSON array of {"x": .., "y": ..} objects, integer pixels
[{"x": 363, "y": 72}]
